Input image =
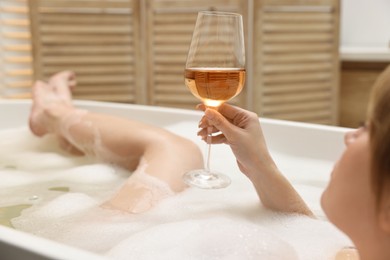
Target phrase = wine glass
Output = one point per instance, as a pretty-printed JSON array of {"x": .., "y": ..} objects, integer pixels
[{"x": 214, "y": 73}]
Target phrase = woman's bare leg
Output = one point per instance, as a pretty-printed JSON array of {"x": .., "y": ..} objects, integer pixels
[
  {"x": 49, "y": 103},
  {"x": 159, "y": 157}
]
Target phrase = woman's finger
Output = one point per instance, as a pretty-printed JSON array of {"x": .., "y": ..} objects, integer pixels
[
  {"x": 206, "y": 131},
  {"x": 220, "y": 122},
  {"x": 217, "y": 139},
  {"x": 201, "y": 107},
  {"x": 229, "y": 111}
]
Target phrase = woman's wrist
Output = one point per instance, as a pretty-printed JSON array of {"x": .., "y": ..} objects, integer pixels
[{"x": 261, "y": 167}]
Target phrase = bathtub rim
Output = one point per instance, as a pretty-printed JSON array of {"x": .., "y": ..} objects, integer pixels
[{"x": 15, "y": 244}]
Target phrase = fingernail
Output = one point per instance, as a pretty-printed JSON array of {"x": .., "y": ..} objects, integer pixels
[
  {"x": 201, "y": 124},
  {"x": 209, "y": 114}
]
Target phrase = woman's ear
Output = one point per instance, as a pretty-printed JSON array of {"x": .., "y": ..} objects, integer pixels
[{"x": 384, "y": 213}]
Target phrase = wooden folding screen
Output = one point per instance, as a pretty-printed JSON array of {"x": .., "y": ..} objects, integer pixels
[
  {"x": 97, "y": 39},
  {"x": 296, "y": 65},
  {"x": 169, "y": 28},
  {"x": 135, "y": 50},
  {"x": 15, "y": 50}
]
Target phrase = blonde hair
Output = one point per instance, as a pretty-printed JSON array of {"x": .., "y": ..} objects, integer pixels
[{"x": 379, "y": 125}]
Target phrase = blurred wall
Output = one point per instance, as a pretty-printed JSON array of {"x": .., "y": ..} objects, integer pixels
[{"x": 365, "y": 23}]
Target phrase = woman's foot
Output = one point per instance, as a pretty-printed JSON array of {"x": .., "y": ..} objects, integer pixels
[
  {"x": 50, "y": 100},
  {"x": 62, "y": 83}
]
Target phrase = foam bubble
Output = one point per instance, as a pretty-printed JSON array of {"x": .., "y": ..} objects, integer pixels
[
  {"x": 195, "y": 224},
  {"x": 202, "y": 239},
  {"x": 23, "y": 151}
]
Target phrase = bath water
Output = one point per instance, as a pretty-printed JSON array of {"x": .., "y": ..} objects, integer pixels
[
  {"x": 51, "y": 194},
  {"x": 10, "y": 212}
]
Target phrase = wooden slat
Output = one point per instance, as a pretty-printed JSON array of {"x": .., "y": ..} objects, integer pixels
[
  {"x": 112, "y": 89},
  {"x": 107, "y": 97},
  {"x": 171, "y": 49},
  {"x": 291, "y": 108},
  {"x": 164, "y": 89},
  {"x": 85, "y": 29},
  {"x": 162, "y": 39},
  {"x": 20, "y": 73},
  {"x": 297, "y": 87},
  {"x": 298, "y": 28},
  {"x": 89, "y": 50},
  {"x": 17, "y": 35},
  {"x": 82, "y": 4},
  {"x": 297, "y": 68},
  {"x": 298, "y": 8},
  {"x": 294, "y": 78},
  {"x": 296, "y": 97},
  {"x": 24, "y": 84},
  {"x": 296, "y": 47},
  {"x": 294, "y": 18},
  {"x": 96, "y": 39},
  {"x": 192, "y": 7},
  {"x": 297, "y": 58},
  {"x": 174, "y": 68},
  {"x": 112, "y": 59},
  {"x": 14, "y": 9},
  {"x": 17, "y": 47},
  {"x": 176, "y": 98},
  {"x": 104, "y": 79},
  {"x": 92, "y": 69},
  {"x": 176, "y": 18},
  {"x": 171, "y": 59},
  {"x": 89, "y": 40},
  {"x": 85, "y": 18},
  {"x": 299, "y": 37},
  {"x": 15, "y": 22},
  {"x": 173, "y": 28}
]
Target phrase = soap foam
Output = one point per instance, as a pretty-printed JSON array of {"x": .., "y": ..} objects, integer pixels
[
  {"x": 195, "y": 224},
  {"x": 91, "y": 143},
  {"x": 144, "y": 190}
]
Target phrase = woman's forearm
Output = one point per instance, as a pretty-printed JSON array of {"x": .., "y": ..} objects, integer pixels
[{"x": 276, "y": 192}]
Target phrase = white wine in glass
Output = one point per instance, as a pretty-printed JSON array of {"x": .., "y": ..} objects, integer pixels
[{"x": 214, "y": 73}]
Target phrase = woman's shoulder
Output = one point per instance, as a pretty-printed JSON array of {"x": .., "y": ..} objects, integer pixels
[{"x": 347, "y": 253}]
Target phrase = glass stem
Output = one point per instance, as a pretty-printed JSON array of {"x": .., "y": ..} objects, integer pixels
[{"x": 208, "y": 152}]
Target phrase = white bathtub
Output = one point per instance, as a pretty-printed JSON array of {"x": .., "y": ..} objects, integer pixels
[{"x": 292, "y": 144}]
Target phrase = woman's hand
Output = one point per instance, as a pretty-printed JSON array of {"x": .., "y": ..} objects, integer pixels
[{"x": 241, "y": 130}]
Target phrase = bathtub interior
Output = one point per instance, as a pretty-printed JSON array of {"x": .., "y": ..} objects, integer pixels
[{"x": 231, "y": 218}]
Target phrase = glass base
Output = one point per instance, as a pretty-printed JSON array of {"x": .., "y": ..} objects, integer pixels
[{"x": 206, "y": 179}]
